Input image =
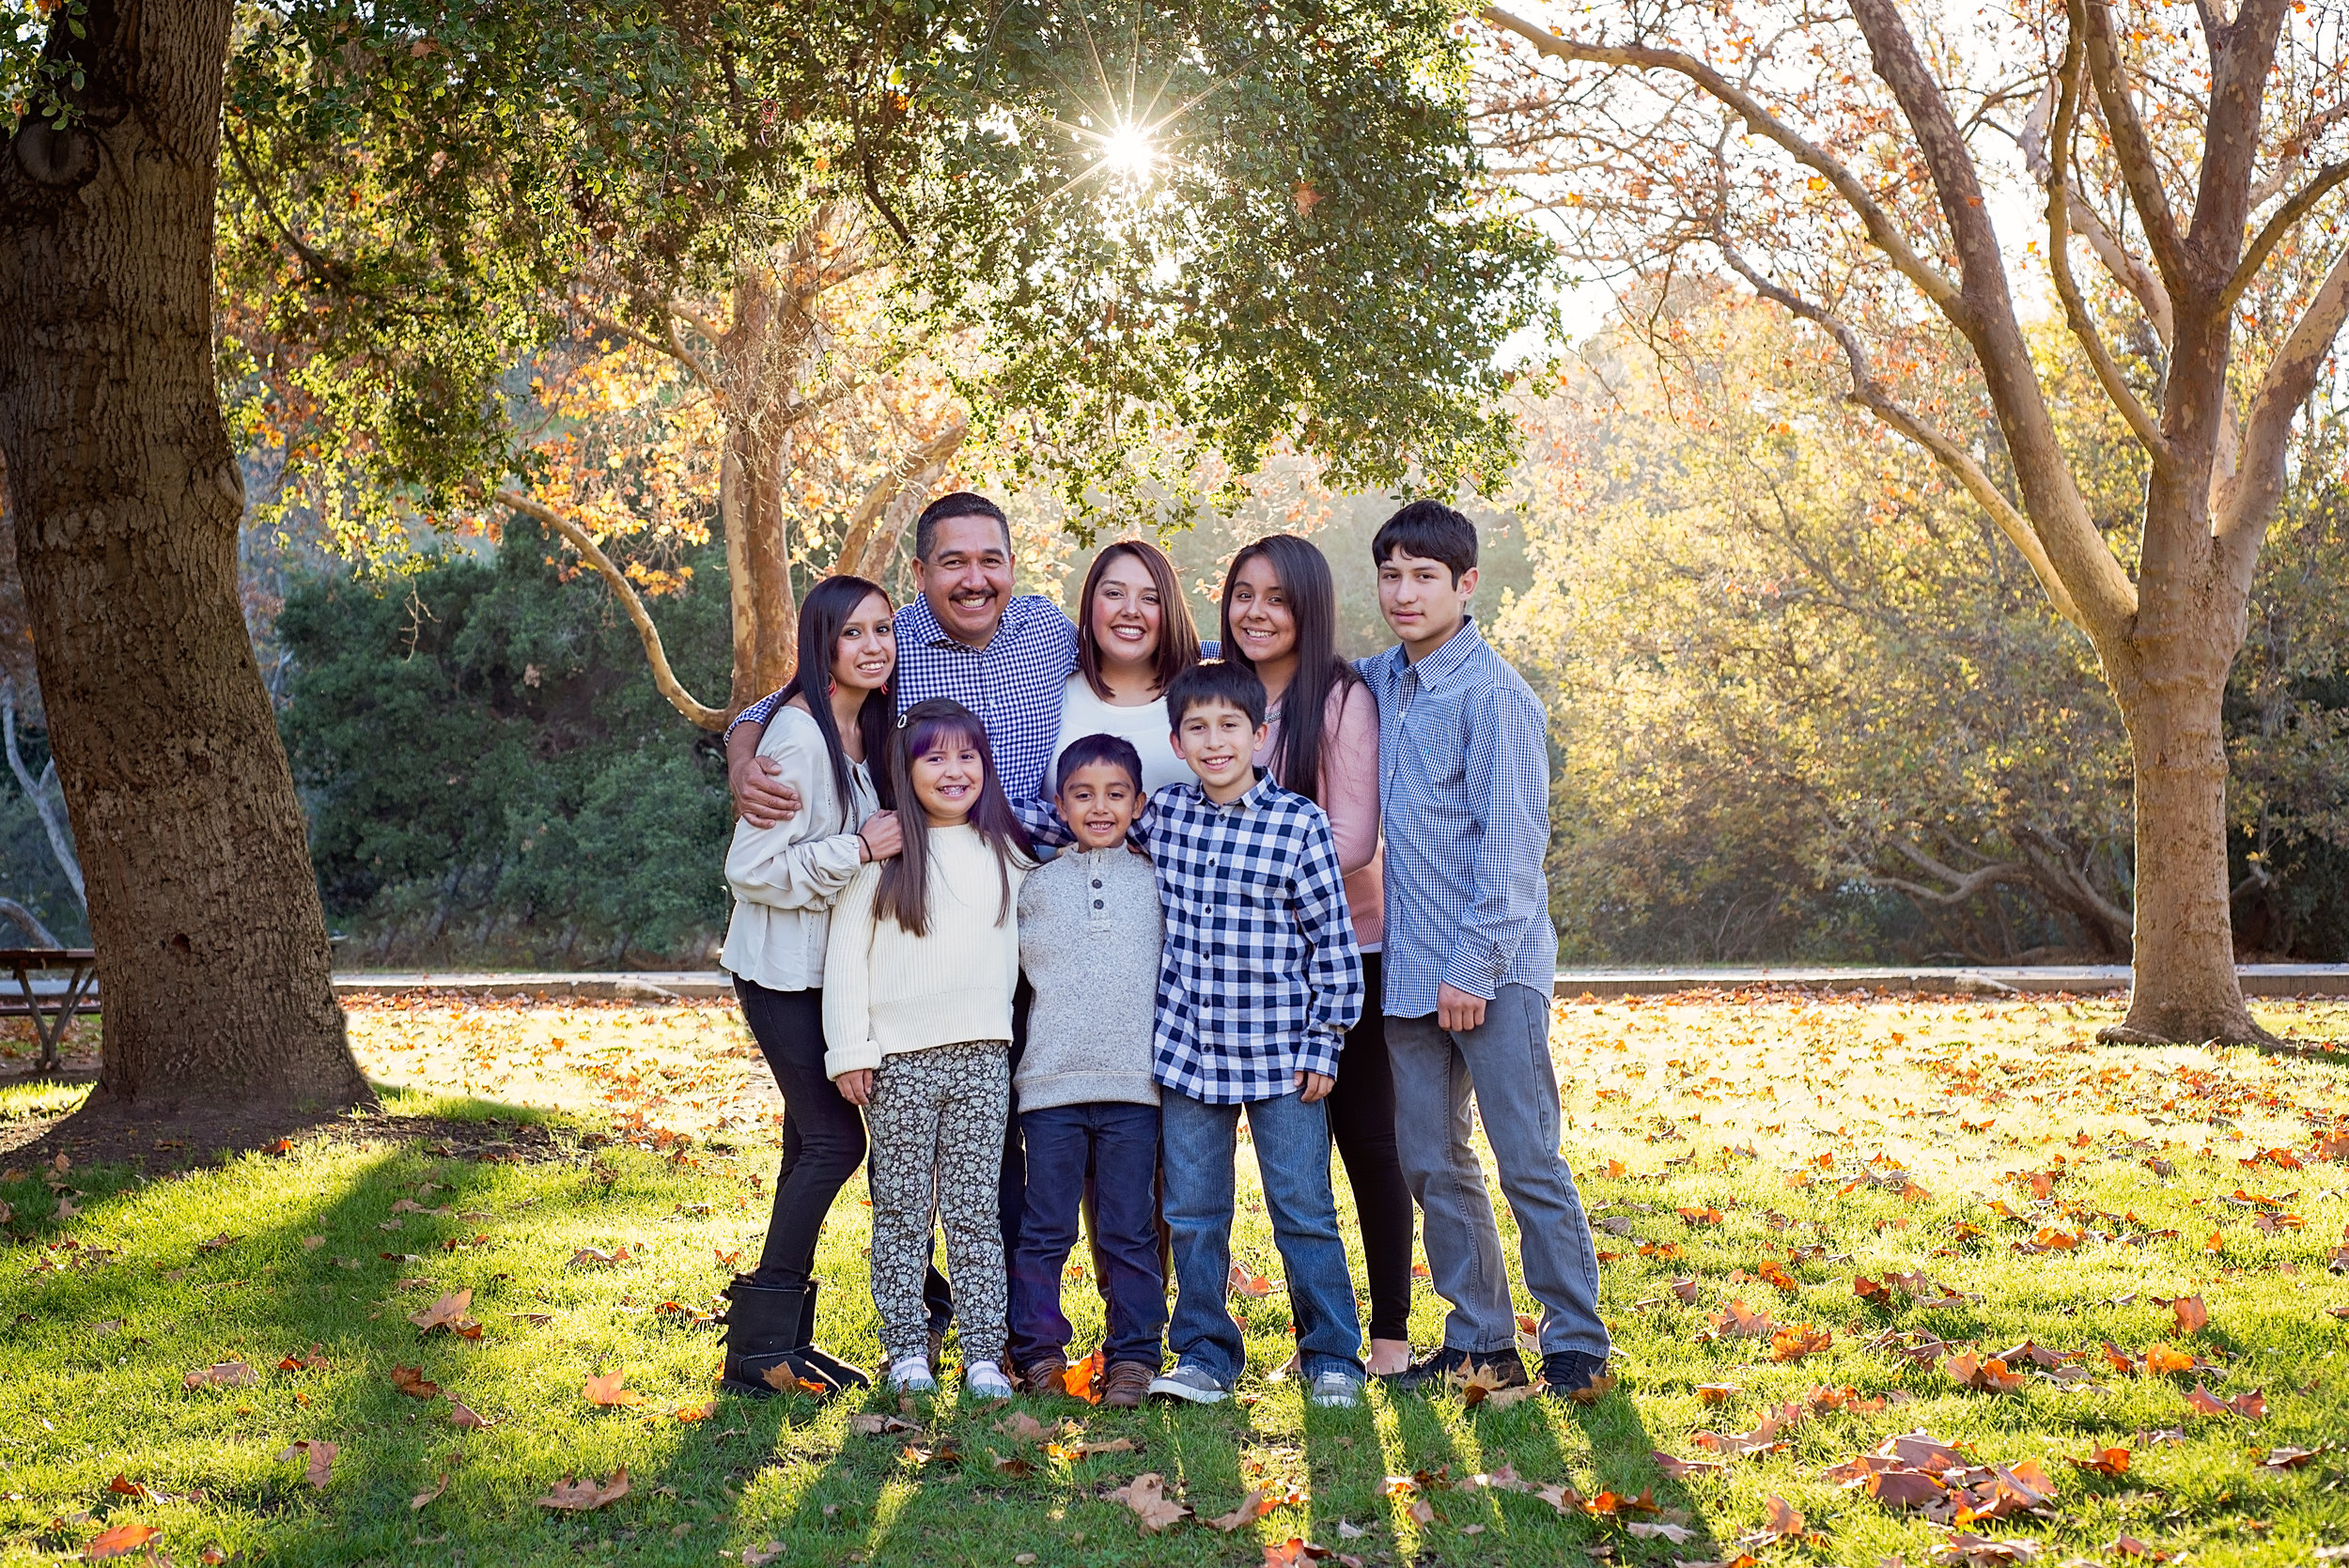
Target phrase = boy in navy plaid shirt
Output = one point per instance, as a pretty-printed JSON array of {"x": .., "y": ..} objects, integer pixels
[{"x": 1259, "y": 983}]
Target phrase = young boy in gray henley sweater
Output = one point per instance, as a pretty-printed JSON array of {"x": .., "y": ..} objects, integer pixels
[{"x": 1090, "y": 933}]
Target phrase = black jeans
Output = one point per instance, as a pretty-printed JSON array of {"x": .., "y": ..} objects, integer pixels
[
  {"x": 823, "y": 1135},
  {"x": 1362, "y": 1122},
  {"x": 1113, "y": 1149}
]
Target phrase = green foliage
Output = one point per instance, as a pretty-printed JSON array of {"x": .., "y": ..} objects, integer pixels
[
  {"x": 1811, "y": 705},
  {"x": 1800, "y": 683},
  {"x": 421, "y": 196},
  {"x": 490, "y": 772}
]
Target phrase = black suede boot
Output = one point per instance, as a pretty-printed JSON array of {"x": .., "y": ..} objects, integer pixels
[
  {"x": 763, "y": 1337},
  {"x": 844, "y": 1375}
]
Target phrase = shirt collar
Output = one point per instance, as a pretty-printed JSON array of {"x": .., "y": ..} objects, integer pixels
[
  {"x": 1446, "y": 662},
  {"x": 1259, "y": 794},
  {"x": 923, "y": 630}
]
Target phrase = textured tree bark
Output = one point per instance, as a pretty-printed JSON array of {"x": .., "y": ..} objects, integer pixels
[
  {"x": 767, "y": 332},
  {"x": 212, "y": 958}
]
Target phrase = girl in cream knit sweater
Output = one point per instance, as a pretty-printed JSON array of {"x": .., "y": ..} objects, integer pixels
[{"x": 923, "y": 959}]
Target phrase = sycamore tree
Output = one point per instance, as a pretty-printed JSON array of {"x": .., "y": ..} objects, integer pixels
[
  {"x": 453, "y": 190},
  {"x": 1846, "y": 163},
  {"x": 775, "y": 271}
]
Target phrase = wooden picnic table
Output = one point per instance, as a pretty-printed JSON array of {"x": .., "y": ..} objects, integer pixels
[{"x": 49, "y": 1011}]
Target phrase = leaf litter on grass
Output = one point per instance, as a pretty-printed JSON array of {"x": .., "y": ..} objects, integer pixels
[{"x": 1839, "y": 1142}]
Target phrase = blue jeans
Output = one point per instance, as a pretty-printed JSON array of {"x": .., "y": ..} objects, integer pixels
[
  {"x": 1293, "y": 1156},
  {"x": 1506, "y": 1062},
  {"x": 1117, "y": 1145}
]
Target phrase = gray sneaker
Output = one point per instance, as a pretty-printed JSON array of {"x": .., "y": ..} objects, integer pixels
[
  {"x": 1336, "y": 1388},
  {"x": 1191, "y": 1383}
]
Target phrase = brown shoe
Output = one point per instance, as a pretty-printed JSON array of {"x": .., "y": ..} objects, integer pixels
[
  {"x": 1047, "y": 1376},
  {"x": 1128, "y": 1384}
]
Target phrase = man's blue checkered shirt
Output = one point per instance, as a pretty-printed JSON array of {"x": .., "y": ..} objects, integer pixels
[
  {"x": 1261, "y": 976},
  {"x": 1464, "y": 795},
  {"x": 1014, "y": 684}
]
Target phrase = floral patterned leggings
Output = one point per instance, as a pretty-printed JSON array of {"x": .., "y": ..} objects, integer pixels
[{"x": 936, "y": 1124}]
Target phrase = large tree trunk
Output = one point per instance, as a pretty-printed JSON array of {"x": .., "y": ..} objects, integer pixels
[
  {"x": 212, "y": 959},
  {"x": 2190, "y": 627}
]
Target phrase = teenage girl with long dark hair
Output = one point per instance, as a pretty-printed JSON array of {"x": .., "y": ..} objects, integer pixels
[
  {"x": 1279, "y": 619},
  {"x": 829, "y": 738}
]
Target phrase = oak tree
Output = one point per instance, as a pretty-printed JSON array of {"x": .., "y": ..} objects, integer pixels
[{"x": 1845, "y": 161}]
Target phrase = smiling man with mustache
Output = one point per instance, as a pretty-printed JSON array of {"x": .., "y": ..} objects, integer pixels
[{"x": 1005, "y": 657}]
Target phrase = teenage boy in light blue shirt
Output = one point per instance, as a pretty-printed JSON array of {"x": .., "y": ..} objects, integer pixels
[{"x": 1470, "y": 957}]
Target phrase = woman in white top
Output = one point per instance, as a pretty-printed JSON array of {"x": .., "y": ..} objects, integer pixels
[
  {"x": 836, "y": 719},
  {"x": 1134, "y": 636}
]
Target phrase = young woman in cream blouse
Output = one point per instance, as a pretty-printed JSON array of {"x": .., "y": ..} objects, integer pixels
[{"x": 827, "y": 737}]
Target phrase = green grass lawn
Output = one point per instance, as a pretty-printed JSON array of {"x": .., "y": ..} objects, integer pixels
[{"x": 1810, "y": 1142}]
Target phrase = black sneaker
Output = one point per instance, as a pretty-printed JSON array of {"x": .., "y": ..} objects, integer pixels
[
  {"x": 1572, "y": 1374},
  {"x": 1443, "y": 1365}
]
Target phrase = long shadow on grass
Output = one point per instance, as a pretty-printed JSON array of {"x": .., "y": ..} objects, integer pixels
[
  {"x": 1596, "y": 1450},
  {"x": 263, "y": 1294}
]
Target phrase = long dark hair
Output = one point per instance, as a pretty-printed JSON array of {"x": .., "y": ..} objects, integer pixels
[
  {"x": 1179, "y": 640},
  {"x": 1312, "y": 595},
  {"x": 826, "y": 609},
  {"x": 904, "y": 893}
]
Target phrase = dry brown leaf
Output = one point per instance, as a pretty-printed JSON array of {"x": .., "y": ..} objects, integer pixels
[
  {"x": 440, "y": 1484},
  {"x": 221, "y": 1375},
  {"x": 447, "y": 1312},
  {"x": 1681, "y": 1470},
  {"x": 604, "y": 1388},
  {"x": 2191, "y": 1314},
  {"x": 413, "y": 1382},
  {"x": 584, "y": 1496},
  {"x": 1251, "y": 1508},
  {"x": 1794, "y": 1342},
  {"x": 1145, "y": 1495},
  {"x": 872, "y": 1423},
  {"x": 1713, "y": 1393},
  {"x": 1022, "y": 1427},
  {"x": 319, "y": 1455},
  {"x": 460, "y": 1416},
  {"x": 1780, "y": 1517}
]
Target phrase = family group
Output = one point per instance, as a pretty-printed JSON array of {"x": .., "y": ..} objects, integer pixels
[{"x": 1032, "y": 914}]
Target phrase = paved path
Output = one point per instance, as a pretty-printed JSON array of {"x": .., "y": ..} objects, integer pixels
[{"x": 690, "y": 984}]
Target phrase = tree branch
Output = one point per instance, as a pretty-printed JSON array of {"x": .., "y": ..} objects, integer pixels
[
  {"x": 2272, "y": 234},
  {"x": 2140, "y": 170},
  {"x": 865, "y": 545},
  {"x": 663, "y": 678},
  {"x": 2249, "y": 498},
  {"x": 2125, "y": 267},
  {"x": 1871, "y": 394},
  {"x": 2123, "y": 397},
  {"x": 2096, "y": 585},
  {"x": 1759, "y": 119}
]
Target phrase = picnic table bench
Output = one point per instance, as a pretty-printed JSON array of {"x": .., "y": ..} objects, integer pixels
[{"x": 54, "y": 1005}]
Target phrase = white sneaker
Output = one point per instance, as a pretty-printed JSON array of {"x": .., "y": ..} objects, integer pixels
[
  {"x": 985, "y": 1380},
  {"x": 912, "y": 1375}
]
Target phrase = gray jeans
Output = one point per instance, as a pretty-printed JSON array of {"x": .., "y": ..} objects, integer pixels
[{"x": 1505, "y": 1062}]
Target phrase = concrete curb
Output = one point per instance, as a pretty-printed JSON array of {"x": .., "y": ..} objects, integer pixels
[{"x": 2262, "y": 980}]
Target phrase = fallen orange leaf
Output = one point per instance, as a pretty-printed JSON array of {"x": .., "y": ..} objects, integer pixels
[
  {"x": 605, "y": 1390},
  {"x": 120, "y": 1541}
]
